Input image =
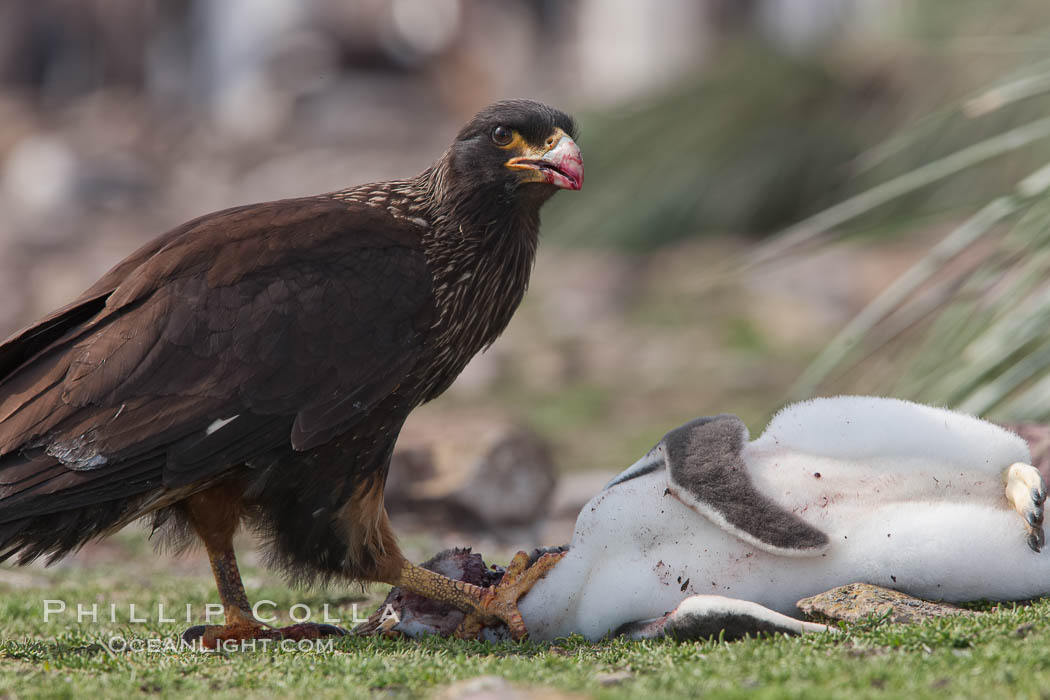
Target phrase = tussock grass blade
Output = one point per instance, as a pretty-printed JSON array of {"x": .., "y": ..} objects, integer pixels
[
  {"x": 998, "y": 341},
  {"x": 985, "y": 396},
  {"x": 900, "y": 290},
  {"x": 1029, "y": 82},
  {"x": 1008, "y": 93},
  {"x": 1005, "y": 321},
  {"x": 813, "y": 227},
  {"x": 990, "y": 299},
  {"x": 1031, "y": 404}
]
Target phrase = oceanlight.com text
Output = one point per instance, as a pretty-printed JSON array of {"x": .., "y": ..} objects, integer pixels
[{"x": 161, "y": 645}]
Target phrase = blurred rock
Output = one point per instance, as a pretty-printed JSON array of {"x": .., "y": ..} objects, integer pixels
[
  {"x": 504, "y": 479},
  {"x": 611, "y": 678},
  {"x": 496, "y": 688},
  {"x": 512, "y": 481},
  {"x": 857, "y": 601}
]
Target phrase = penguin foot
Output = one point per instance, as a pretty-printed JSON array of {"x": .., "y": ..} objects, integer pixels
[{"x": 1026, "y": 492}]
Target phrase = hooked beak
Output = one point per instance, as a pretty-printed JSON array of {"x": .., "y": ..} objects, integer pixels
[{"x": 559, "y": 163}]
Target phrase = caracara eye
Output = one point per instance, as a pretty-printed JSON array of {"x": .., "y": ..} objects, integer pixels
[{"x": 502, "y": 135}]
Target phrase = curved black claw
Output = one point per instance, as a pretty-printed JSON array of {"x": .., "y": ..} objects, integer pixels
[
  {"x": 1036, "y": 539},
  {"x": 1035, "y": 515}
]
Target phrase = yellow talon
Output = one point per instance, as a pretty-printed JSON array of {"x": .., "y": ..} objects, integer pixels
[{"x": 499, "y": 603}]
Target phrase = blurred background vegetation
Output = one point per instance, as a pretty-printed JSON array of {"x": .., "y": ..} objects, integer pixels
[{"x": 727, "y": 144}]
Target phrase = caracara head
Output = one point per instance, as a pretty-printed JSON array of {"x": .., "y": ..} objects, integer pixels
[{"x": 517, "y": 149}]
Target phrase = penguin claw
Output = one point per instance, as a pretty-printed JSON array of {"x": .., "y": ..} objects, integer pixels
[
  {"x": 1034, "y": 517},
  {"x": 1026, "y": 492},
  {"x": 1036, "y": 539}
]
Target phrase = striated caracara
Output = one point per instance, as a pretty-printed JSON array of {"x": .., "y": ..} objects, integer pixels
[{"x": 256, "y": 365}]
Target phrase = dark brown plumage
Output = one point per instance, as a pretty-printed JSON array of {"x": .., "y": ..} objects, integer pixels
[{"x": 258, "y": 363}]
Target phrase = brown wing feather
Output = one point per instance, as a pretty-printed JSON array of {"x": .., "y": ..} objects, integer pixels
[{"x": 310, "y": 308}]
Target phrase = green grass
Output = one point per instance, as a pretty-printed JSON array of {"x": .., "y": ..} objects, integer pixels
[
  {"x": 976, "y": 658},
  {"x": 1004, "y": 653}
]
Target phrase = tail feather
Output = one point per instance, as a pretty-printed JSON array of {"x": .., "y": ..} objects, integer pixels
[
  {"x": 48, "y": 509},
  {"x": 57, "y": 534}
]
